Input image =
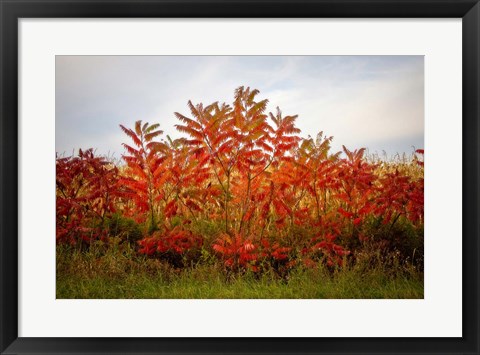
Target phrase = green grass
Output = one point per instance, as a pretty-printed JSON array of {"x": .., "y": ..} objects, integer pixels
[{"x": 120, "y": 274}]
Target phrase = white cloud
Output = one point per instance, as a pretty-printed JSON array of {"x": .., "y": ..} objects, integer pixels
[{"x": 362, "y": 101}]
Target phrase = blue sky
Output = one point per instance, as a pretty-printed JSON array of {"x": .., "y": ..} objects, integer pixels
[{"x": 375, "y": 102}]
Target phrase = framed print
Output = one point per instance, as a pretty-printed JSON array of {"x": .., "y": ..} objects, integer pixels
[{"x": 239, "y": 177}]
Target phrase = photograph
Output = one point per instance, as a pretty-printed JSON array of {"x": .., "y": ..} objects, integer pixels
[{"x": 239, "y": 177}]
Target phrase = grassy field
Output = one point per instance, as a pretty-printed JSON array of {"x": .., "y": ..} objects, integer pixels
[{"x": 117, "y": 274}]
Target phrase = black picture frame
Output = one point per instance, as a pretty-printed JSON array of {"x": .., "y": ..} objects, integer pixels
[{"x": 12, "y": 10}]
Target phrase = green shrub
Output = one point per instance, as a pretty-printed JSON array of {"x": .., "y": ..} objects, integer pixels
[{"x": 126, "y": 228}]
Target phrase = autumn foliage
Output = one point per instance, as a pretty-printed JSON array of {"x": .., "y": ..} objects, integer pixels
[{"x": 243, "y": 186}]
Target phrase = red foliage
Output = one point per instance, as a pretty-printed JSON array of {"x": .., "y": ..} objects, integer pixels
[
  {"x": 87, "y": 192},
  {"x": 247, "y": 171},
  {"x": 177, "y": 246},
  {"x": 237, "y": 251}
]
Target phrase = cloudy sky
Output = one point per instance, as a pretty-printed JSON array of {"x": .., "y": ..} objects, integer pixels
[{"x": 375, "y": 102}]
